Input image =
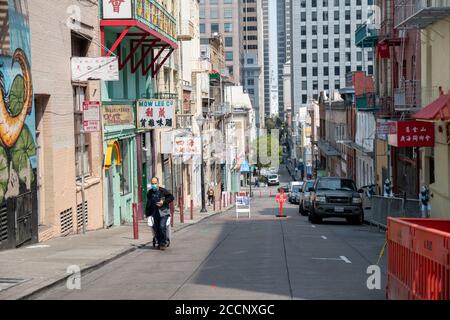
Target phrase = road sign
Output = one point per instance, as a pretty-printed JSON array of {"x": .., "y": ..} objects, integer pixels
[
  {"x": 245, "y": 167},
  {"x": 281, "y": 197},
  {"x": 242, "y": 205},
  {"x": 91, "y": 116}
]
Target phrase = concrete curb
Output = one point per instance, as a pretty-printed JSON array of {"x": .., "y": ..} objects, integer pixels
[{"x": 102, "y": 262}]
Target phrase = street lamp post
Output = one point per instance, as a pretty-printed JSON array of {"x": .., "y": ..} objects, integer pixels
[{"x": 200, "y": 121}]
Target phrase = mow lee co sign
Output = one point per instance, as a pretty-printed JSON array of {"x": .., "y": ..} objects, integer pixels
[
  {"x": 411, "y": 134},
  {"x": 155, "y": 113}
]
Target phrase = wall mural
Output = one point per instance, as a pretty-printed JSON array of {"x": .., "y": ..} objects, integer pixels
[{"x": 17, "y": 119}]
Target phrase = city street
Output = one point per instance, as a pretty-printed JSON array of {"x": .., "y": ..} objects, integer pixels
[{"x": 261, "y": 258}]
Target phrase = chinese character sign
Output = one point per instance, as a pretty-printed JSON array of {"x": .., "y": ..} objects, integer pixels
[
  {"x": 412, "y": 134},
  {"x": 186, "y": 146},
  {"x": 91, "y": 116},
  {"x": 117, "y": 9},
  {"x": 155, "y": 113}
]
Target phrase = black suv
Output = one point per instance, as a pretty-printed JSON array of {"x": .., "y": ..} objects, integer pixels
[{"x": 333, "y": 197}]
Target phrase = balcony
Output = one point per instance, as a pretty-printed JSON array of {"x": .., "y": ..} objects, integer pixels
[
  {"x": 420, "y": 13},
  {"x": 366, "y": 36},
  {"x": 187, "y": 30},
  {"x": 389, "y": 34},
  {"x": 408, "y": 96},
  {"x": 367, "y": 102},
  {"x": 165, "y": 95}
]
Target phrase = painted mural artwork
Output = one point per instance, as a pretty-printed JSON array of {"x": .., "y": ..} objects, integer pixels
[{"x": 17, "y": 126}]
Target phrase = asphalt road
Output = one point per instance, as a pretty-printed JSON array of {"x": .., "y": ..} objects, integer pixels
[{"x": 261, "y": 258}]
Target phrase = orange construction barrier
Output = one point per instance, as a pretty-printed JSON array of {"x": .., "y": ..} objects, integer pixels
[{"x": 418, "y": 259}]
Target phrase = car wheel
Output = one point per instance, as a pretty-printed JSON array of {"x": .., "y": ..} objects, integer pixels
[{"x": 314, "y": 218}]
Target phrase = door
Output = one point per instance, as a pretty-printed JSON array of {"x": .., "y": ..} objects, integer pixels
[{"x": 110, "y": 192}]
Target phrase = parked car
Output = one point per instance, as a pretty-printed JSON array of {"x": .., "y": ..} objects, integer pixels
[
  {"x": 273, "y": 180},
  {"x": 291, "y": 188},
  {"x": 333, "y": 197},
  {"x": 305, "y": 198},
  {"x": 294, "y": 194}
]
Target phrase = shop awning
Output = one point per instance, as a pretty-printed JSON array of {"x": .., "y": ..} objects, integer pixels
[
  {"x": 112, "y": 147},
  {"x": 328, "y": 149},
  {"x": 437, "y": 110}
]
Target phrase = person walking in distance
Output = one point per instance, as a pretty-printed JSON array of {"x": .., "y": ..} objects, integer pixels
[
  {"x": 425, "y": 206},
  {"x": 210, "y": 196},
  {"x": 158, "y": 201}
]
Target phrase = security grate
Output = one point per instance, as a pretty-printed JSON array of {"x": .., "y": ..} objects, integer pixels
[
  {"x": 3, "y": 223},
  {"x": 80, "y": 215},
  {"x": 66, "y": 220}
]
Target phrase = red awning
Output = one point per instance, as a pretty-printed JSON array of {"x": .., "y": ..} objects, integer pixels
[{"x": 437, "y": 110}]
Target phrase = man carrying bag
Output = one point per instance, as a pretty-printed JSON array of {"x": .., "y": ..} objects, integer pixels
[{"x": 158, "y": 201}]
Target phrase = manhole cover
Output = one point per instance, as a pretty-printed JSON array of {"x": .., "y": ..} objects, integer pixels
[{"x": 6, "y": 283}]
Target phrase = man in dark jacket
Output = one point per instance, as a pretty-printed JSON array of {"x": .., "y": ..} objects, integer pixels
[{"x": 158, "y": 201}]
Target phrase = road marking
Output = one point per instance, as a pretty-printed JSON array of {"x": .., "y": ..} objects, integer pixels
[
  {"x": 336, "y": 259},
  {"x": 313, "y": 226},
  {"x": 38, "y": 246},
  {"x": 324, "y": 238},
  {"x": 345, "y": 259}
]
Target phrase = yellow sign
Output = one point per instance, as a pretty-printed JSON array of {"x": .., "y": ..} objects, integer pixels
[{"x": 114, "y": 115}]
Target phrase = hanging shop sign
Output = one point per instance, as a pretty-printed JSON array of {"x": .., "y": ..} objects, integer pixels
[
  {"x": 411, "y": 134},
  {"x": 117, "y": 9},
  {"x": 114, "y": 115},
  {"x": 186, "y": 146},
  {"x": 101, "y": 68},
  {"x": 91, "y": 116},
  {"x": 383, "y": 129},
  {"x": 155, "y": 113}
]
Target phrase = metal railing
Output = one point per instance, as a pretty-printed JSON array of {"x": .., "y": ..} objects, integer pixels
[
  {"x": 384, "y": 207},
  {"x": 408, "y": 96},
  {"x": 406, "y": 9}
]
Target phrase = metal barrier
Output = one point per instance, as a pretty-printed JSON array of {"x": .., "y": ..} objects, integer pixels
[{"x": 384, "y": 207}]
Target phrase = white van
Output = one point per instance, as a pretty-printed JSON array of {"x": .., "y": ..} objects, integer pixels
[{"x": 273, "y": 179}]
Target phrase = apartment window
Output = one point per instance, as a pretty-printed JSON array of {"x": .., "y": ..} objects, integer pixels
[
  {"x": 314, "y": 3},
  {"x": 201, "y": 13},
  {"x": 370, "y": 70},
  {"x": 336, "y": 16},
  {"x": 251, "y": 82},
  {"x": 250, "y": 61},
  {"x": 314, "y": 57},
  {"x": 326, "y": 85},
  {"x": 358, "y": 14},
  {"x": 228, "y": 27},
  {"x": 314, "y": 16},
  {"x": 325, "y": 15},
  {"x": 337, "y": 71},
  {"x": 202, "y": 28},
  {"x": 336, "y": 43},
  {"x": 314, "y": 71},
  {"x": 348, "y": 69},
  {"x": 303, "y": 44},
  {"x": 251, "y": 91},
  {"x": 314, "y": 43},
  {"x": 347, "y": 29},
  {"x": 348, "y": 57},
  {"x": 348, "y": 43},
  {"x": 325, "y": 43},
  {"x": 214, "y": 13},
  {"x": 336, "y": 3},
  {"x": 358, "y": 2},
  {"x": 336, "y": 29},
  {"x": 303, "y": 57},
  {"x": 359, "y": 56},
  {"x": 325, "y": 71},
  {"x": 325, "y": 29},
  {"x": 370, "y": 55},
  {"x": 304, "y": 72},
  {"x": 325, "y": 57},
  {"x": 303, "y": 16},
  {"x": 305, "y": 85},
  {"x": 229, "y": 56},
  {"x": 347, "y": 2},
  {"x": 230, "y": 70},
  {"x": 315, "y": 85},
  {"x": 227, "y": 1},
  {"x": 303, "y": 30},
  {"x": 214, "y": 27},
  {"x": 314, "y": 30},
  {"x": 303, "y": 3},
  {"x": 228, "y": 41},
  {"x": 336, "y": 57},
  {"x": 228, "y": 13},
  {"x": 304, "y": 98},
  {"x": 79, "y": 94},
  {"x": 347, "y": 14},
  {"x": 213, "y": 1},
  {"x": 325, "y": 3},
  {"x": 337, "y": 84}
]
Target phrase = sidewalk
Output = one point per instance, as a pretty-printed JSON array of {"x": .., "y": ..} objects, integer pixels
[{"x": 43, "y": 265}]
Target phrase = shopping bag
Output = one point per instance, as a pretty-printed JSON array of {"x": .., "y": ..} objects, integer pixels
[
  {"x": 168, "y": 222},
  {"x": 150, "y": 221}
]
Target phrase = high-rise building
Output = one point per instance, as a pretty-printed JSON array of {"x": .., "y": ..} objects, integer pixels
[
  {"x": 252, "y": 60},
  {"x": 223, "y": 18},
  {"x": 323, "y": 46},
  {"x": 281, "y": 50}
]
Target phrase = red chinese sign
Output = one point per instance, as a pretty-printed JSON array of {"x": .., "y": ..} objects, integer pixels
[
  {"x": 281, "y": 197},
  {"x": 411, "y": 134}
]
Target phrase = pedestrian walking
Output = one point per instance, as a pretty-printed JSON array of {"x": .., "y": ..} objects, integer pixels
[
  {"x": 158, "y": 201},
  {"x": 210, "y": 196},
  {"x": 388, "y": 188},
  {"x": 425, "y": 206}
]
